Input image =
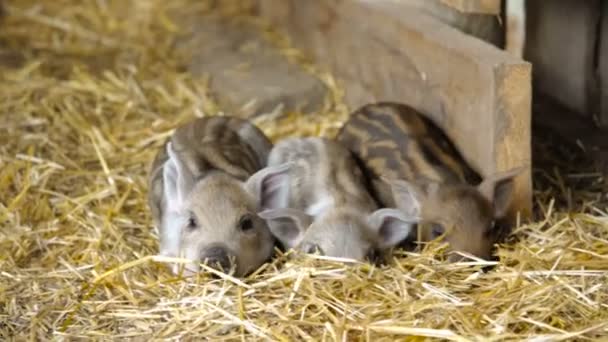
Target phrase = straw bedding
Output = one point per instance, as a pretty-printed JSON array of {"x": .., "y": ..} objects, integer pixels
[{"x": 87, "y": 94}]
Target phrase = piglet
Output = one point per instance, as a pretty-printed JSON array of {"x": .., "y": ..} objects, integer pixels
[
  {"x": 327, "y": 208},
  {"x": 414, "y": 166},
  {"x": 206, "y": 186}
]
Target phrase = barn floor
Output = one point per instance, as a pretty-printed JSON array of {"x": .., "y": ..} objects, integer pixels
[{"x": 89, "y": 90}]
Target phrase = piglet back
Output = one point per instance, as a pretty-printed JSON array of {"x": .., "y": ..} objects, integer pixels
[
  {"x": 212, "y": 144},
  {"x": 395, "y": 140},
  {"x": 323, "y": 172}
]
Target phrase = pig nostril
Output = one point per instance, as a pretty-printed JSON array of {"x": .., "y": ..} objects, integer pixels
[
  {"x": 217, "y": 258},
  {"x": 219, "y": 264}
]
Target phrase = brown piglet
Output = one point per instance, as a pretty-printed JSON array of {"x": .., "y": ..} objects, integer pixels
[{"x": 413, "y": 166}]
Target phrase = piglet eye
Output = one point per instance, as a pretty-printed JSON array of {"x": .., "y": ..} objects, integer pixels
[
  {"x": 374, "y": 256},
  {"x": 192, "y": 222},
  {"x": 312, "y": 248},
  {"x": 437, "y": 230},
  {"x": 496, "y": 231},
  {"x": 246, "y": 223}
]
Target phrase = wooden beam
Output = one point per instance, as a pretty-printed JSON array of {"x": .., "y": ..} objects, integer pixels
[
  {"x": 475, "y": 6},
  {"x": 384, "y": 50},
  {"x": 487, "y": 27}
]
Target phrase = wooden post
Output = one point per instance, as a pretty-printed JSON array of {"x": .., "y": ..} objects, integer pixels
[{"x": 475, "y": 6}]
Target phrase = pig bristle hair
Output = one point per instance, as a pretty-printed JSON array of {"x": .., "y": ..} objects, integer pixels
[{"x": 98, "y": 92}]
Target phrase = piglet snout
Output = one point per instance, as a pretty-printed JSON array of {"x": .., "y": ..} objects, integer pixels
[{"x": 218, "y": 257}]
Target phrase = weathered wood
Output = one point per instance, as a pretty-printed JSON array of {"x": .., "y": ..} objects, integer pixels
[
  {"x": 515, "y": 37},
  {"x": 384, "y": 50},
  {"x": 475, "y": 6},
  {"x": 483, "y": 26},
  {"x": 560, "y": 42}
]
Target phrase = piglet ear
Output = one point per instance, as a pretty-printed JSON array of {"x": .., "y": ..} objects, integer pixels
[
  {"x": 270, "y": 186},
  {"x": 170, "y": 234},
  {"x": 178, "y": 180},
  {"x": 409, "y": 195},
  {"x": 391, "y": 226},
  {"x": 498, "y": 189},
  {"x": 287, "y": 225}
]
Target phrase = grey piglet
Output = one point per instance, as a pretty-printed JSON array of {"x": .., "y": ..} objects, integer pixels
[
  {"x": 327, "y": 207},
  {"x": 206, "y": 187}
]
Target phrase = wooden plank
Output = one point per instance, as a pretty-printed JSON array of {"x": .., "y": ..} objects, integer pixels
[
  {"x": 487, "y": 27},
  {"x": 475, "y": 6},
  {"x": 515, "y": 37},
  {"x": 384, "y": 50}
]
